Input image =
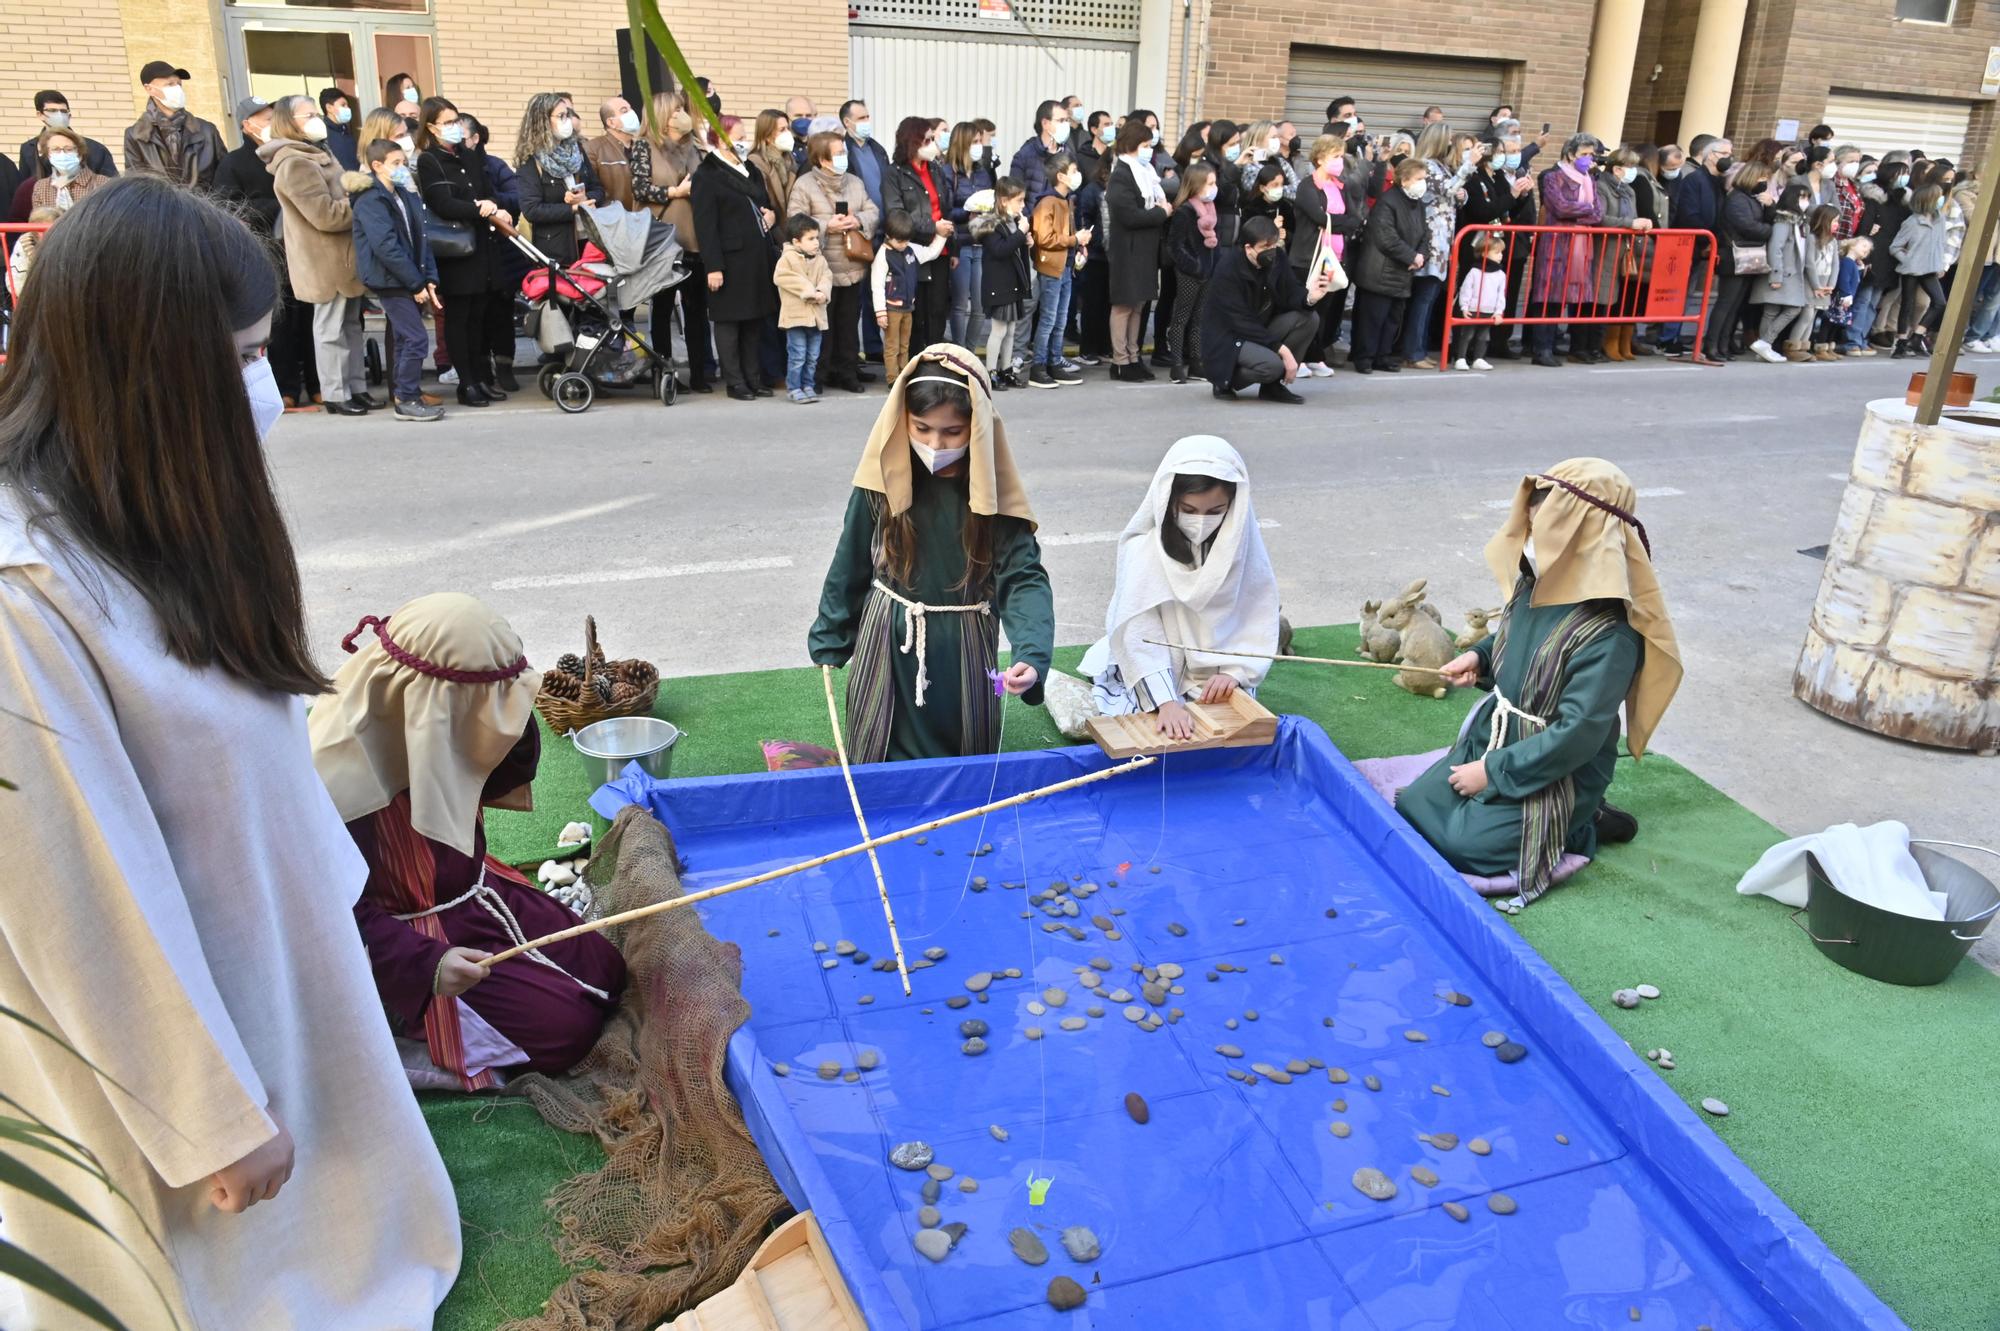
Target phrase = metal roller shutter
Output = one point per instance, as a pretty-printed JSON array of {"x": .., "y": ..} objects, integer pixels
[
  {"x": 1882, "y": 124},
  {"x": 966, "y": 76},
  {"x": 1393, "y": 89}
]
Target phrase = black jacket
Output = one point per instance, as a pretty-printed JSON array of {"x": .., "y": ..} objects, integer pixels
[
  {"x": 1133, "y": 246},
  {"x": 346, "y": 149},
  {"x": 1187, "y": 249},
  {"x": 1240, "y": 303},
  {"x": 1746, "y": 220},
  {"x": 452, "y": 183},
  {"x": 1310, "y": 217},
  {"x": 902, "y": 189},
  {"x": 95, "y": 156},
  {"x": 1396, "y": 233},
  {"x": 1006, "y": 277},
  {"x": 542, "y": 203},
  {"x": 734, "y": 241},
  {"x": 1881, "y": 221},
  {"x": 391, "y": 255},
  {"x": 242, "y": 180},
  {"x": 182, "y": 147},
  {"x": 1228, "y": 194}
]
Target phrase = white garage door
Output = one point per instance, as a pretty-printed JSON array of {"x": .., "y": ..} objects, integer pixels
[
  {"x": 1392, "y": 89},
  {"x": 1002, "y": 79},
  {"x": 1881, "y": 124}
]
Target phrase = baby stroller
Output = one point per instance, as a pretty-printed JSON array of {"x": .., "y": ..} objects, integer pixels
[{"x": 575, "y": 316}]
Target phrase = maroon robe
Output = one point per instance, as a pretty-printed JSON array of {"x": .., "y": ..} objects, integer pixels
[{"x": 551, "y": 1017}]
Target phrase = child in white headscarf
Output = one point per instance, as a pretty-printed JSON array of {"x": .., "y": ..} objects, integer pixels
[{"x": 1192, "y": 571}]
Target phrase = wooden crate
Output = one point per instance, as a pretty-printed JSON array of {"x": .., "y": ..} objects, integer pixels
[
  {"x": 791, "y": 1284},
  {"x": 1240, "y": 722}
]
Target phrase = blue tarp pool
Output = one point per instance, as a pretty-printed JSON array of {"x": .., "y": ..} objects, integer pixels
[{"x": 1301, "y": 909}]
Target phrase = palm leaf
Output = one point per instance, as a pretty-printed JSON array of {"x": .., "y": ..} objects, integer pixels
[
  {"x": 40, "y": 1136},
  {"x": 38, "y": 1275},
  {"x": 644, "y": 17},
  {"x": 17, "y": 1175}
]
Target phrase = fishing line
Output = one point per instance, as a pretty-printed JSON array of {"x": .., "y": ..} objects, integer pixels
[{"x": 979, "y": 837}]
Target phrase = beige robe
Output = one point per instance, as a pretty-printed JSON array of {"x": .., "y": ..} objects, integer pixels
[{"x": 177, "y": 905}]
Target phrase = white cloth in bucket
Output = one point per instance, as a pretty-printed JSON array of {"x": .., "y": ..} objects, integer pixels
[{"x": 1871, "y": 864}]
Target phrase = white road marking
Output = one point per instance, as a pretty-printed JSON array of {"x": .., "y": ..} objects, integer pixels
[
  {"x": 643, "y": 574},
  {"x": 352, "y": 560},
  {"x": 1106, "y": 537},
  {"x": 1735, "y": 420},
  {"x": 1650, "y": 369},
  {"x": 1837, "y": 476}
]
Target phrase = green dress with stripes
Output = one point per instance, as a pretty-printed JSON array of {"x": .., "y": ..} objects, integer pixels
[
  {"x": 1483, "y": 835},
  {"x": 960, "y": 715}
]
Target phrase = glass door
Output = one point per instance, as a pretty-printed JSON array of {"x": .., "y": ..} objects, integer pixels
[{"x": 277, "y": 52}]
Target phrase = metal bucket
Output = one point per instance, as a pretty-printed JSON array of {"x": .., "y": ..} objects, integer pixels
[
  {"x": 1901, "y": 949},
  {"x": 605, "y": 747}
]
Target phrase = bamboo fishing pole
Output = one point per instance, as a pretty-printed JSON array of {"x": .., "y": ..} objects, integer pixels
[
  {"x": 626, "y": 917},
  {"x": 1309, "y": 660},
  {"x": 854, "y": 798}
]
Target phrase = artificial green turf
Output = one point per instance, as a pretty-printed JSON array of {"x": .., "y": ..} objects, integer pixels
[{"x": 1870, "y": 1109}]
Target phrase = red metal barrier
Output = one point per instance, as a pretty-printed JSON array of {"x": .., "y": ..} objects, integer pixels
[
  {"x": 1562, "y": 275},
  {"x": 10, "y": 232}
]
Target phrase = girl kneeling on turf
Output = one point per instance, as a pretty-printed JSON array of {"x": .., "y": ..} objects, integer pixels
[
  {"x": 1192, "y": 571},
  {"x": 937, "y": 552}
]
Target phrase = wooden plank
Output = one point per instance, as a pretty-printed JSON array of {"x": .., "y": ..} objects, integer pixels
[{"x": 1237, "y": 722}]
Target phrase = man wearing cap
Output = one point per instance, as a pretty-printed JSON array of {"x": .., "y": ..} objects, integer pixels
[
  {"x": 53, "y": 108},
  {"x": 166, "y": 139}
]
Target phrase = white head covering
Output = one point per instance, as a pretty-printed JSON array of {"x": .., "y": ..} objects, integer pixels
[{"x": 1228, "y": 601}]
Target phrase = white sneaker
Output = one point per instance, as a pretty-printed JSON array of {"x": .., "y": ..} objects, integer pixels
[
  {"x": 1765, "y": 352},
  {"x": 449, "y": 376},
  {"x": 1978, "y": 345},
  {"x": 1319, "y": 369},
  {"x": 1482, "y": 364},
  {"x": 1460, "y": 364}
]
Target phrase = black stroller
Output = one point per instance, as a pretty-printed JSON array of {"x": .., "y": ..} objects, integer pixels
[{"x": 576, "y": 315}]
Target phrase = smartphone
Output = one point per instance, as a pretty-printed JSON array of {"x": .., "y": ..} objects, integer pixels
[
  {"x": 1545, "y": 127},
  {"x": 840, "y": 208}
]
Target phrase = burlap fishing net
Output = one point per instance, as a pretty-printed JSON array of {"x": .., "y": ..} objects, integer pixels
[{"x": 684, "y": 1198}]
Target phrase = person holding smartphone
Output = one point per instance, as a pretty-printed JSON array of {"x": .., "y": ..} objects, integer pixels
[{"x": 839, "y": 202}]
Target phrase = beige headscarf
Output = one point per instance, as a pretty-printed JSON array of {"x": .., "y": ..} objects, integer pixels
[
  {"x": 886, "y": 458},
  {"x": 431, "y": 707},
  {"x": 1589, "y": 545}
]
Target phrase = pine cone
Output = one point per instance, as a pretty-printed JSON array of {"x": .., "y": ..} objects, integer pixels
[
  {"x": 570, "y": 664},
  {"x": 602, "y": 685},
  {"x": 559, "y": 685}
]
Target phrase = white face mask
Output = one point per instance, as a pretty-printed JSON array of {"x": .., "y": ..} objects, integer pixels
[
  {"x": 1415, "y": 189},
  {"x": 1208, "y": 195},
  {"x": 408, "y": 144},
  {"x": 1850, "y": 169},
  {"x": 565, "y": 128},
  {"x": 1626, "y": 174},
  {"x": 174, "y": 97},
  {"x": 928, "y": 150},
  {"x": 628, "y": 121},
  {"x": 315, "y": 130},
  {"x": 1198, "y": 527},
  {"x": 936, "y": 459},
  {"x": 784, "y": 142},
  {"x": 1528, "y": 553},
  {"x": 267, "y": 405}
]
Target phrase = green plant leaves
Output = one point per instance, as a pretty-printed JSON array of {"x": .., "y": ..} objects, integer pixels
[
  {"x": 38, "y": 1275},
  {"x": 644, "y": 17}
]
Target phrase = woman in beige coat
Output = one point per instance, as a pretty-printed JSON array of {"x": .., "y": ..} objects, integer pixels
[
  {"x": 317, "y": 229},
  {"x": 837, "y": 201},
  {"x": 663, "y": 161}
]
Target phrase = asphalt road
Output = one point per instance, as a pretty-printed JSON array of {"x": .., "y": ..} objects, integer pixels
[{"x": 698, "y": 533}]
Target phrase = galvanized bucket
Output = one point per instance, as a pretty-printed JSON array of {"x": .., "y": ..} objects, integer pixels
[
  {"x": 1902, "y": 949},
  {"x": 606, "y": 747}
]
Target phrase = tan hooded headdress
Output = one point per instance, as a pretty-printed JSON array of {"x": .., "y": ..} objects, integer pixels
[
  {"x": 886, "y": 458},
  {"x": 431, "y": 706},
  {"x": 1590, "y": 545}
]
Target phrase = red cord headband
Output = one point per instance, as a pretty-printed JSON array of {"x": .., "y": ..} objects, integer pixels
[
  {"x": 1603, "y": 506},
  {"x": 403, "y": 657}
]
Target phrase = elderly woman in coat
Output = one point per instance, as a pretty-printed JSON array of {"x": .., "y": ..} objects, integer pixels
[
  {"x": 1619, "y": 279},
  {"x": 314, "y": 195},
  {"x": 1564, "y": 283},
  {"x": 64, "y": 177},
  {"x": 839, "y": 202}
]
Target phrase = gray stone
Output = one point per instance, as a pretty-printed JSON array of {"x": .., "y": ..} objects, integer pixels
[
  {"x": 1443, "y": 1141},
  {"x": 1136, "y": 1106},
  {"x": 1230, "y": 1023},
  {"x": 1338, "y": 1076},
  {"x": 1065, "y": 1294},
  {"x": 958, "y": 1002},
  {"x": 1372, "y": 1082},
  {"x": 976, "y": 983},
  {"x": 1094, "y": 1010},
  {"x": 930, "y": 1193},
  {"x": 1055, "y": 997},
  {"x": 1171, "y": 971},
  {"x": 1415, "y": 1037},
  {"x": 859, "y": 958},
  {"x": 1027, "y": 1246},
  {"x": 1339, "y": 1128},
  {"x": 850, "y": 1076},
  {"x": 1277, "y": 960},
  {"x": 1154, "y": 993},
  {"x": 942, "y": 1173},
  {"x": 1499, "y": 1203},
  {"x": 973, "y": 1047},
  {"x": 829, "y": 1071},
  {"x": 1456, "y": 999},
  {"x": 1457, "y": 1212},
  {"x": 1715, "y": 1107},
  {"x": 1080, "y": 1244},
  {"x": 830, "y": 964},
  {"x": 933, "y": 1243},
  {"x": 1626, "y": 998},
  {"x": 936, "y": 953},
  {"x": 972, "y": 1026},
  {"x": 1120, "y": 996},
  {"x": 1372, "y": 1182},
  {"x": 867, "y": 1060},
  {"x": 782, "y": 1069},
  {"x": 913, "y": 1156},
  {"x": 968, "y": 1185},
  {"x": 929, "y": 1217},
  {"x": 1511, "y": 1052},
  {"x": 1075, "y": 933},
  {"x": 1493, "y": 1039},
  {"x": 1012, "y": 972},
  {"x": 1439, "y": 1090},
  {"x": 1424, "y": 1175},
  {"x": 1177, "y": 929},
  {"x": 1646, "y": 990},
  {"x": 1561, "y": 1140},
  {"x": 865, "y": 999},
  {"x": 955, "y": 1231},
  {"x": 1072, "y": 1023},
  {"x": 1033, "y": 1032},
  {"x": 1228, "y": 1051},
  {"x": 999, "y": 1133},
  {"x": 1103, "y": 922},
  {"x": 1298, "y": 1067},
  {"x": 819, "y": 947},
  {"x": 843, "y": 948},
  {"x": 1036, "y": 1007},
  {"x": 1135, "y": 1013},
  {"x": 1250, "y": 1014},
  {"x": 1100, "y": 963},
  {"x": 979, "y": 884},
  {"x": 1479, "y": 1146}
]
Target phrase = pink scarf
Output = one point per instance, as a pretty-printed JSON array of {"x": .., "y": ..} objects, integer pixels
[
  {"x": 1586, "y": 188},
  {"x": 1204, "y": 216},
  {"x": 1336, "y": 206}
]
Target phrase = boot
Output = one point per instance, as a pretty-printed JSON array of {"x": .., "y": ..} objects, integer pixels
[
  {"x": 1796, "y": 352},
  {"x": 1825, "y": 351},
  {"x": 1618, "y": 345}
]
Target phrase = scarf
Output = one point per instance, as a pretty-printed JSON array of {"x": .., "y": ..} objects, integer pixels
[
  {"x": 1229, "y": 600},
  {"x": 1204, "y": 217},
  {"x": 1586, "y": 187},
  {"x": 886, "y": 458},
  {"x": 1591, "y": 547},
  {"x": 432, "y": 706},
  {"x": 561, "y": 161},
  {"x": 1146, "y": 177}
]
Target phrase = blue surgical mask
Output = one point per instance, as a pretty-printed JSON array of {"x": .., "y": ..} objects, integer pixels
[
  {"x": 64, "y": 164},
  {"x": 1059, "y": 134},
  {"x": 1512, "y": 161},
  {"x": 56, "y": 119},
  {"x": 267, "y": 405},
  {"x": 342, "y": 114},
  {"x": 864, "y": 130},
  {"x": 802, "y": 126},
  {"x": 453, "y": 133},
  {"x": 1233, "y": 151},
  {"x": 1109, "y": 134},
  {"x": 401, "y": 175},
  {"x": 839, "y": 164}
]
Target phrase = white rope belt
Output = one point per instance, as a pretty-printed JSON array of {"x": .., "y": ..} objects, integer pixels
[
  {"x": 913, "y": 629},
  {"x": 1496, "y": 730},
  {"x": 496, "y": 906}
]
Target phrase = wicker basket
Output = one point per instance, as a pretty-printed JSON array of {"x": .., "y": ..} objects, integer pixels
[{"x": 569, "y": 703}]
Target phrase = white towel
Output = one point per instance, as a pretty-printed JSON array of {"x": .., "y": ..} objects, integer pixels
[{"x": 1871, "y": 864}]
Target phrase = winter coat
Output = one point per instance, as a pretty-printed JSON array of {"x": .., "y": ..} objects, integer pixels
[
  {"x": 1746, "y": 220},
  {"x": 612, "y": 161},
  {"x": 1168, "y": 171},
  {"x": 1053, "y": 227},
  {"x": 653, "y": 178},
  {"x": 1617, "y": 256},
  {"x": 346, "y": 149},
  {"x": 1564, "y": 274},
  {"x": 42, "y": 194},
  {"x": 1134, "y": 244},
  {"x": 316, "y": 195},
  {"x": 734, "y": 240},
  {"x": 902, "y": 189},
  {"x": 1787, "y": 282},
  {"x": 1228, "y": 196},
  {"x": 452, "y": 184},
  {"x": 1187, "y": 249},
  {"x": 1311, "y": 217},
  {"x": 542, "y": 205},
  {"x": 814, "y": 195},
  {"x": 1441, "y": 186},
  {"x": 503, "y": 180},
  {"x": 243, "y": 181},
  {"x": 1919, "y": 246},
  {"x": 178, "y": 145},
  {"x": 797, "y": 277},
  {"x": 1882, "y": 222},
  {"x": 95, "y": 156},
  {"x": 1239, "y": 305},
  {"x": 391, "y": 254},
  {"x": 870, "y": 151},
  {"x": 965, "y": 184},
  {"x": 1694, "y": 201},
  {"x": 1483, "y": 292},
  {"x": 1397, "y": 232},
  {"x": 1006, "y": 277},
  {"x": 1031, "y": 167},
  {"x": 778, "y": 173}
]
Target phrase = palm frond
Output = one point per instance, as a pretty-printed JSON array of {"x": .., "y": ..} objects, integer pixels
[{"x": 644, "y": 18}]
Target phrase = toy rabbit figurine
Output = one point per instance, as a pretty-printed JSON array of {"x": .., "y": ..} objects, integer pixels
[{"x": 1421, "y": 641}]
